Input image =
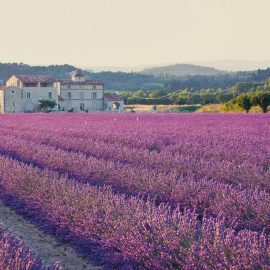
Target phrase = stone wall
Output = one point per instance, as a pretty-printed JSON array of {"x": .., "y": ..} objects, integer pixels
[{"x": 13, "y": 100}]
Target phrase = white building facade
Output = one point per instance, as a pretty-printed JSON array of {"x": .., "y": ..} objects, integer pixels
[
  {"x": 23, "y": 93},
  {"x": 79, "y": 94}
]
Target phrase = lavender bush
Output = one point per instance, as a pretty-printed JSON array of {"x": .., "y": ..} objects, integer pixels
[
  {"x": 145, "y": 191},
  {"x": 14, "y": 256}
]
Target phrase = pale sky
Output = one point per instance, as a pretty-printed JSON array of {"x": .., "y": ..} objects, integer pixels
[{"x": 133, "y": 32}]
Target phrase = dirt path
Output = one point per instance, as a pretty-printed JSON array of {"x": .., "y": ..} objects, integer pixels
[{"x": 43, "y": 245}]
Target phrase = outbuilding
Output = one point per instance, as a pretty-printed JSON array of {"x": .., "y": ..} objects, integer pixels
[{"x": 113, "y": 102}]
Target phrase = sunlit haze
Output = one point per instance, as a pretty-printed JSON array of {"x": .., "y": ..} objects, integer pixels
[{"x": 133, "y": 33}]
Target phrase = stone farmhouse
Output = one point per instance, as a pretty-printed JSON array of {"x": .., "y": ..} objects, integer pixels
[{"x": 23, "y": 93}]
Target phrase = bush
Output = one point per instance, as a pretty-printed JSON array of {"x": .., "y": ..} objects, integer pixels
[{"x": 44, "y": 104}]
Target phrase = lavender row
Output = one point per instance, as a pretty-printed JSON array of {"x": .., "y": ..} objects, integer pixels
[
  {"x": 130, "y": 233},
  {"x": 238, "y": 157},
  {"x": 165, "y": 166},
  {"x": 167, "y": 159},
  {"x": 14, "y": 255},
  {"x": 242, "y": 208},
  {"x": 158, "y": 130},
  {"x": 162, "y": 130}
]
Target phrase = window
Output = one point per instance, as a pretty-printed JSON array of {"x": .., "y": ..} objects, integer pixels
[
  {"x": 28, "y": 95},
  {"x": 81, "y": 95},
  {"x": 94, "y": 86},
  {"x": 22, "y": 94},
  {"x": 30, "y": 85},
  {"x": 82, "y": 106},
  {"x": 94, "y": 95},
  {"x": 49, "y": 94},
  {"x": 69, "y": 95},
  {"x": 46, "y": 84},
  {"x": 13, "y": 104}
]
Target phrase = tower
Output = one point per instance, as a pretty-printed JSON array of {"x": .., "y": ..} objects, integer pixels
[{"x": 78, "y": 76}]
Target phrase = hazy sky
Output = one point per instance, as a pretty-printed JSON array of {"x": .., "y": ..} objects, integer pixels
[{"x": 133, "y": 32}]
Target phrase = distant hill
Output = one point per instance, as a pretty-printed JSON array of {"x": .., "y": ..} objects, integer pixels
[
  {"x": 113, "y": 80},
  {"x": 132, "y": 81},
  {"x": 178, "y": 70}
]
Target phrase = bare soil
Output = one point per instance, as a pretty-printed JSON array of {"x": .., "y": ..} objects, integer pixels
[{"x": 44, "y": 246}]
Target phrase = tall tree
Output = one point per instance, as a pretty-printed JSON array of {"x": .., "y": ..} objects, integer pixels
[
  {"x": 244, "y": 101},
  {"x": 261, "y": 99}
]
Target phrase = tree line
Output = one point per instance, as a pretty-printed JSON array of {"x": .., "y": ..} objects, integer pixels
[
  {"x": 246, "y": 101},
  {"x": 132, "y": 81},
  {"x": 242, "y": 95},
  {"x": 182, "y": 97}
]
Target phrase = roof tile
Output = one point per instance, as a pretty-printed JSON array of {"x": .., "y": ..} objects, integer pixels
[
  {"x": 112, "y": 96},
  {"x": 35, "y": 78}
]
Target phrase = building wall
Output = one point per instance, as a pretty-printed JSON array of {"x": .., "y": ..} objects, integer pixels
[
  {"x": 109, "y": 105},
  {"x": 13, "y": 101},
  {"x": 81, "y": 94},
  {"x": 36, "y": 94},
  {"x": 76, "y": 94},
  {"x": 13, "y": 81},
  {"x": 26, "y": 99},
  {"x": 78, "y": 78},
  {"x": 79, "y": 86},
  {"x": 1, "y": 101},
  {"x": 30, "y": 96},
  {"x": 89, "y": 105}
]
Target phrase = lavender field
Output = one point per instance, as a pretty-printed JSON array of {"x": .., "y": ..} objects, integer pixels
[{"x": 144, "y": 191}]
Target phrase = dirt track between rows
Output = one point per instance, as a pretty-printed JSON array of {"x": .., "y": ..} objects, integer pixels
[{"x": 44, "y": 246}]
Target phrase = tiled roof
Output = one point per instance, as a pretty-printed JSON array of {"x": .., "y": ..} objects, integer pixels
[
  {"x": 35, "y": 78},
  {"x": 112, "y": 96},
  {"x": 81, "y": 82}
]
